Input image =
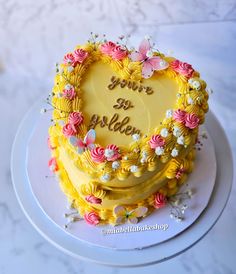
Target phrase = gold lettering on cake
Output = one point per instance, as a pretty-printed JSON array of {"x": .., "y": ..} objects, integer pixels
[
  {"x": 113, "y": 124},
  {"x": 123, "y": 103},
  {"x": 129, "y": 84}
]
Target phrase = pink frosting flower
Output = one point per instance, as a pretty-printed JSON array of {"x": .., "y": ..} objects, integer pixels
[
  {"x": 69, "y": 59},
  {"x": 179, "y": 116},
  {"x": 68, "y": 130},
  {"x": 112, "y": 153},
  {"x": 69, "y": 93},
  {"x": 76, "y": 118},
  {"x": 179, "y": 173},
  {"x": 119, "y": 53},
  {"x": 107, "y": 47},
  {"x": 182, "y": 68},
  {"x": 191, "y": 120},
  {"x": 159, "y": 200},
  {"x": 156, "y": 141},
  {"x": 50, "y": 144},
  {"x": 92, "y": 218},
  {"x": 97, "y": 154},
  {"x": 52, "y": 163},
  {"x": 80, "y": 55},
  {"x": 93, "y": 200}
]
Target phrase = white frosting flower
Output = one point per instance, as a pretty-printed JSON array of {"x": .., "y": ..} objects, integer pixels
[
  {"x": 180, "y": 140},
  {"x": 136, "y": 137},
  {"x": 109, "y": 153},
  {"x": 174, "y": 152},
  {"x": 176, "y": 132},
  {"x": 169, "y": 113},
  {"x": 149, "y": 53},
  {"x": 133, "y": 168},
  {"x": 196, "y": 85},
  {"x": 115, "y": 164},
  {"x": 143, "y": 160},
  {"x": 105, "y": 178},
  {"x": 190, "y": 81},
  {"x": 164, "y": 132},
  {"x": 159, "y": 151}
]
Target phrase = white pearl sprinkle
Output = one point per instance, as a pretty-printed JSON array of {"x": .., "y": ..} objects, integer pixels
[
  {"x": 159, "y": 151},
  {"x": 176, "y": 132},
  {"x": 136, "y": 137},
  {"x": 190, "y": 81},
  {"x": 164, "y": 132},
  {"x": 115, "y": 164},
  {"x": 196, "y": 85},
  {"x": 180, "y": 140},
  {"x": 109, "y": 152},
  {"x": 68, "y": 86},
  {"x": 190, "y": 100},
  {"x": 169, "y": 113},
  {"x": 133, "y": 168},
  {"x": 105, "y": 178},
  {"x": 70, "y": 68},
  {"x": 174, "y": 152}
]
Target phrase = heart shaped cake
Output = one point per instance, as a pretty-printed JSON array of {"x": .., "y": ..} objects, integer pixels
[{"x": 125, "y": 125}]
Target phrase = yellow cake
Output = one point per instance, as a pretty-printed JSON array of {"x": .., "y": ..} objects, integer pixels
[{"x": 125, "y": 123}]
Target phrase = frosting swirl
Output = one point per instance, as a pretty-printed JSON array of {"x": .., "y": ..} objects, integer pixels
[
  {"x": 68, "y": 130},
  {"x": 97, "y": 154},
  {"x": 179, "y": 116},
  {"x": 156, "y": 141},
  {"x": 93, "y": 200},
  {"x": 69, "y": 93},
  {"x": 159, "y": 200},
  {"x": 92, "y": 218},
  {"x": 80, "y": 55},
  {"x": 182, "y": 68},
  {"x": 69, "y": 59},
  {"x": 76, "y": 118},
  {"x": 107, "y": 47},
  {"x": 119, "y": 53},
  {"x": 191, "y": 120}
]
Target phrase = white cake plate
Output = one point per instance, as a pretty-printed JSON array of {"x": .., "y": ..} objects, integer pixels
[{"x": 126, "y": 256}]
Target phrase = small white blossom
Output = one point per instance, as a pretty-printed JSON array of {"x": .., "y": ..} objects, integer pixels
[
  {"x": 109, "y": 153},
  {"x": 164, "y": 132},
  {"x": 133, "y": 168},
  {"x": 176, "y": 132},
  {"x": 180, "y": 140},
  {"x": 190, "y": 81},
  {"x": 105, "y": 178},
  {"x": 136, "y": 137},
  {"x": 43, "y": 110},
  {"x": 169, "y": 113},
  {"x": 143, "y": 160},
  {"x": 115, "y": 164},
  {"x": 159, "y": 151},
  {"x": 174, "y": 152}
]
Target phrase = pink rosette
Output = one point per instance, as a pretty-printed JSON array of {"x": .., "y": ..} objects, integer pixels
[
  {"x": 68, "y": 130},
  {"x": 119, "y": 53},
  {"x": 69, "y": 59},
  {"x": 92, "y": 218},
  {"x": 182, "y": 68},
  {"x": 50, "y": 144},
  {"x": 76, "y": 118},
  {"x": 107, "y": 48},
  {"x": 97, "y": 154},
  {"x": 93, "y": 200},
  {"x": 179, "y": 173},
  {"x": 116, "y": 155},
  {"x": 52, "y": 163},
  {"x": 69, "y": 93},
  {"x": 80, "y": 55},
  {"x": 191, "y": 120},
  {"x": 159, "y": 200},
  {"x": 179, "y": 116},
  {"x": 156, "y": 141}
]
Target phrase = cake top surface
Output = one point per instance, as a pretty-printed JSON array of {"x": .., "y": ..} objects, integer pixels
[{"x": 118, "y": 110}]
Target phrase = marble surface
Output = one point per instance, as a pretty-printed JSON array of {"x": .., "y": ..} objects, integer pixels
[{"x": 35, "y": 34}]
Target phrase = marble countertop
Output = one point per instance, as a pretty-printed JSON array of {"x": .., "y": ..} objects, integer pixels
[{"x": 34, "y": 36}]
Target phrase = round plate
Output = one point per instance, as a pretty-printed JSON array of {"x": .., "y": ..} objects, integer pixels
[{"x": 136, "y": 257}]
